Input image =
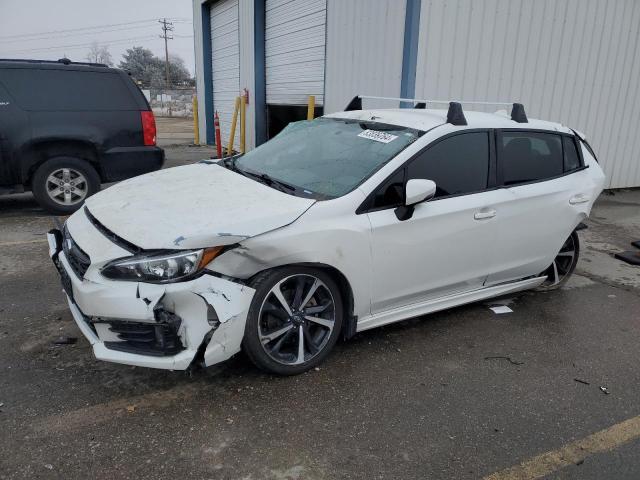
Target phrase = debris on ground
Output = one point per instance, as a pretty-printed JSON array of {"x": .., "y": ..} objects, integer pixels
[
  {"x": 629, "y": 256},
  {"x": 581, "y": 381},
  {"x": 131, "y": 408},
  {"x": 498, "y": 309},
  {"x": 605, "y": 390},
  {"x": 64, "y": 340},
  {"x": 513, "y": 362}
]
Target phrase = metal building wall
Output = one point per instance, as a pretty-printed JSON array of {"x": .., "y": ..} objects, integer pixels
[
  {"x": 247, "y": 64},
  {"x": 225, "y": 61},
  {"x": 294, "y": 50},
  {"x": 364, "y": 50},
  {"x": 572, "y": 61}
]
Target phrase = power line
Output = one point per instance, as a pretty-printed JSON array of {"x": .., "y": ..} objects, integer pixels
[
  {"x": 83, "y": 45},
  {"x": 22, "y": 35},
  {"x": 94, "y": 32}
]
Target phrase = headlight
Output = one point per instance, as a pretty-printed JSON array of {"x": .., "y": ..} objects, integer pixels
[{"x": 161, "y": 268}]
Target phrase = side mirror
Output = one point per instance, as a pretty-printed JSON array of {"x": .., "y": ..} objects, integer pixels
[{"x": 417, "y": 190}]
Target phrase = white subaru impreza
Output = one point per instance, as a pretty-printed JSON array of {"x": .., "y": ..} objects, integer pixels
[{"x": 337, "y": 225}]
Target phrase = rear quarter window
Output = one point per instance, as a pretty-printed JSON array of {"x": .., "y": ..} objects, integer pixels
[
  {"x": 571, "y": 157},
  {"x": 67, "y": 90}
]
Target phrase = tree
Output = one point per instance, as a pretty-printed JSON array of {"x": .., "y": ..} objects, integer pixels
[
  {"x": 148, "y": 69},
  {"x": 99, "y": 54}
]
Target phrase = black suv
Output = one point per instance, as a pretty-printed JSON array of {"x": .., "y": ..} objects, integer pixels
[{"x": 65, "y": 127}]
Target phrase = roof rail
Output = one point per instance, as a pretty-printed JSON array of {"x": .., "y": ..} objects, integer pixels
[
  {"x": 455, "y": 112},
  {"x": 64, "y": 61}
]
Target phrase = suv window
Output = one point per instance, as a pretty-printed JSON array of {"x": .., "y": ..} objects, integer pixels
[
  {"x": 530, "y": 156},
  {"x": 457, "y": 164},
  {"x": 67, "y": 90}
]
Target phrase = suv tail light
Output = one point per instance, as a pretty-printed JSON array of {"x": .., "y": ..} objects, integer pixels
[{"x": 148, "y": 127}]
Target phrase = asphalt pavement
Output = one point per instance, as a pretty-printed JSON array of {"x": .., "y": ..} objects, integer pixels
[{"x": 464, "y": 393}]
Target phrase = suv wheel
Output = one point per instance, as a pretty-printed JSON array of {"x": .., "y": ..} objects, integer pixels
[
  {"x": 294, "y": 319},
  {"x": 563, "y": 265},
  {"x": 61, "y": 184}
]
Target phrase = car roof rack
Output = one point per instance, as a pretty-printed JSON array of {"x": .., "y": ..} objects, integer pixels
[
  {"x": 455, "y": 114},
  {"x": 64, "y": 61}
]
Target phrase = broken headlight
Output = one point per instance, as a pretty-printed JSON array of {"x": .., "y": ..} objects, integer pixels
[{"x": 161, "y": 268}]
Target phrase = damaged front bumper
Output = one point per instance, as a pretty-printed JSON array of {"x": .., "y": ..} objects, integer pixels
[{"x": 167, "y": 326}]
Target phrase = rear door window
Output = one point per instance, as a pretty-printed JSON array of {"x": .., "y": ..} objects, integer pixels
[
  {"x": 458, "y": 164},
  {"x": 67, "y": 90},
  {"x": 530, "y": 156}
]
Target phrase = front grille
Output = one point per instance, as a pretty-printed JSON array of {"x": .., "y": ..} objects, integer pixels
[
  {"x": 157, "y": 339},
  {"x": 78, "y": 260}
]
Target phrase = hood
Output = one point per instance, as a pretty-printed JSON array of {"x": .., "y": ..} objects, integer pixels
[{"x": 193, "y": 206}]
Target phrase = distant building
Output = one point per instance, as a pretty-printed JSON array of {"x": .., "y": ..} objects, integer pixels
[{"x": 572, "y": 61}]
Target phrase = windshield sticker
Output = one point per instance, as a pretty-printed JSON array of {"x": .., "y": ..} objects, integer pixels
[{"x": 378, "y": 136}]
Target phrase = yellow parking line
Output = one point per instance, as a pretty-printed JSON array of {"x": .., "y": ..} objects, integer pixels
[
  {"x": 23, "y": 242},
  {"x": 572, "y": 453}
]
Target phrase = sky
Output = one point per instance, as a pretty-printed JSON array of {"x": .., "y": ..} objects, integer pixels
[{"x": 51, "y": 29}]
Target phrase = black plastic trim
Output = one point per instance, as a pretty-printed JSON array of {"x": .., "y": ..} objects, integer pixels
[
  {"x": 518, "y": 114},
  {"x": 455, "y": 114},
  {"x": 354, "y": 104},
  {"x": 121, "y": 242}
]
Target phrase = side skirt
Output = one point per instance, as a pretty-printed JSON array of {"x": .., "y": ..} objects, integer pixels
[{"x": 442, "y": 303}]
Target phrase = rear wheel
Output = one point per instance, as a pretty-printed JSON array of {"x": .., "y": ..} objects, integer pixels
[
  {"x": 294, "y": 320},
  {"x": 563, "y": 265},
  {"x": 61, "y": 184}
]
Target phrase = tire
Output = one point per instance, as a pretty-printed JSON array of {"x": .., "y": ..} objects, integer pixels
[
  {"x": 77, "y": 179},
  {"x": 313, "y": 292},
  {"x": 563, "y": 265}
]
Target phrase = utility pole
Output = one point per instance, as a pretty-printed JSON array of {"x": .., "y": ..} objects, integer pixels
[{"x": 166, "y": 27}]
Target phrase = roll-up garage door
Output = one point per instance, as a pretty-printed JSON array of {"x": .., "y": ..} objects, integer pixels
[
  {"x": 225, "y": 63},
  {"x": 294, "y": 51}
]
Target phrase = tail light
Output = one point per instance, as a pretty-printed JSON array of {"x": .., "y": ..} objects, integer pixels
[{"x": 148, "y": 127}]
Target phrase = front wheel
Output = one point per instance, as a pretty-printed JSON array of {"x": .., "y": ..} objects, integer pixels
[
  {"x": 563, "y": 265},
  {"x": 62, "y": 184},
  {"x": 294, "y": 319}
]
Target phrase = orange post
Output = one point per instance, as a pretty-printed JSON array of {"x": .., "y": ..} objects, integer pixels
[{"x": 216, "y": 124}]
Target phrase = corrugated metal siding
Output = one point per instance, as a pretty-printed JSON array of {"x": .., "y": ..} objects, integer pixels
[
  {"x": 247, "y": 66},
  {"x": 364, "y": 51},
  {"x": 572, "y": 61},
  {"x": 294, "y": 50},
  {"x": 225, "y": 63}
]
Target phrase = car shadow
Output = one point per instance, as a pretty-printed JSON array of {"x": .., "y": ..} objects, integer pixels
[{"x": 21, "y": 204}]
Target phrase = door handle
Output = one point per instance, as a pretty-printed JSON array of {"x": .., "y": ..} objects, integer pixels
[
  {"x": 580, "y": 198},
  {"x": 484, "y": 214}
]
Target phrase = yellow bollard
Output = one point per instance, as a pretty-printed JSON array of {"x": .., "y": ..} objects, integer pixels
[
  {"x": 243, "y": 113},
  {"x": 311, "y": 108},
  {"x": 234, "y": 120},
  {"x": 196, "y": 129}
]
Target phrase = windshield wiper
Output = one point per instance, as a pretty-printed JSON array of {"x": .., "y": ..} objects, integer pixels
[
  {"x": 272, "y": 182},
  {"x": 230, "y": 163}
]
